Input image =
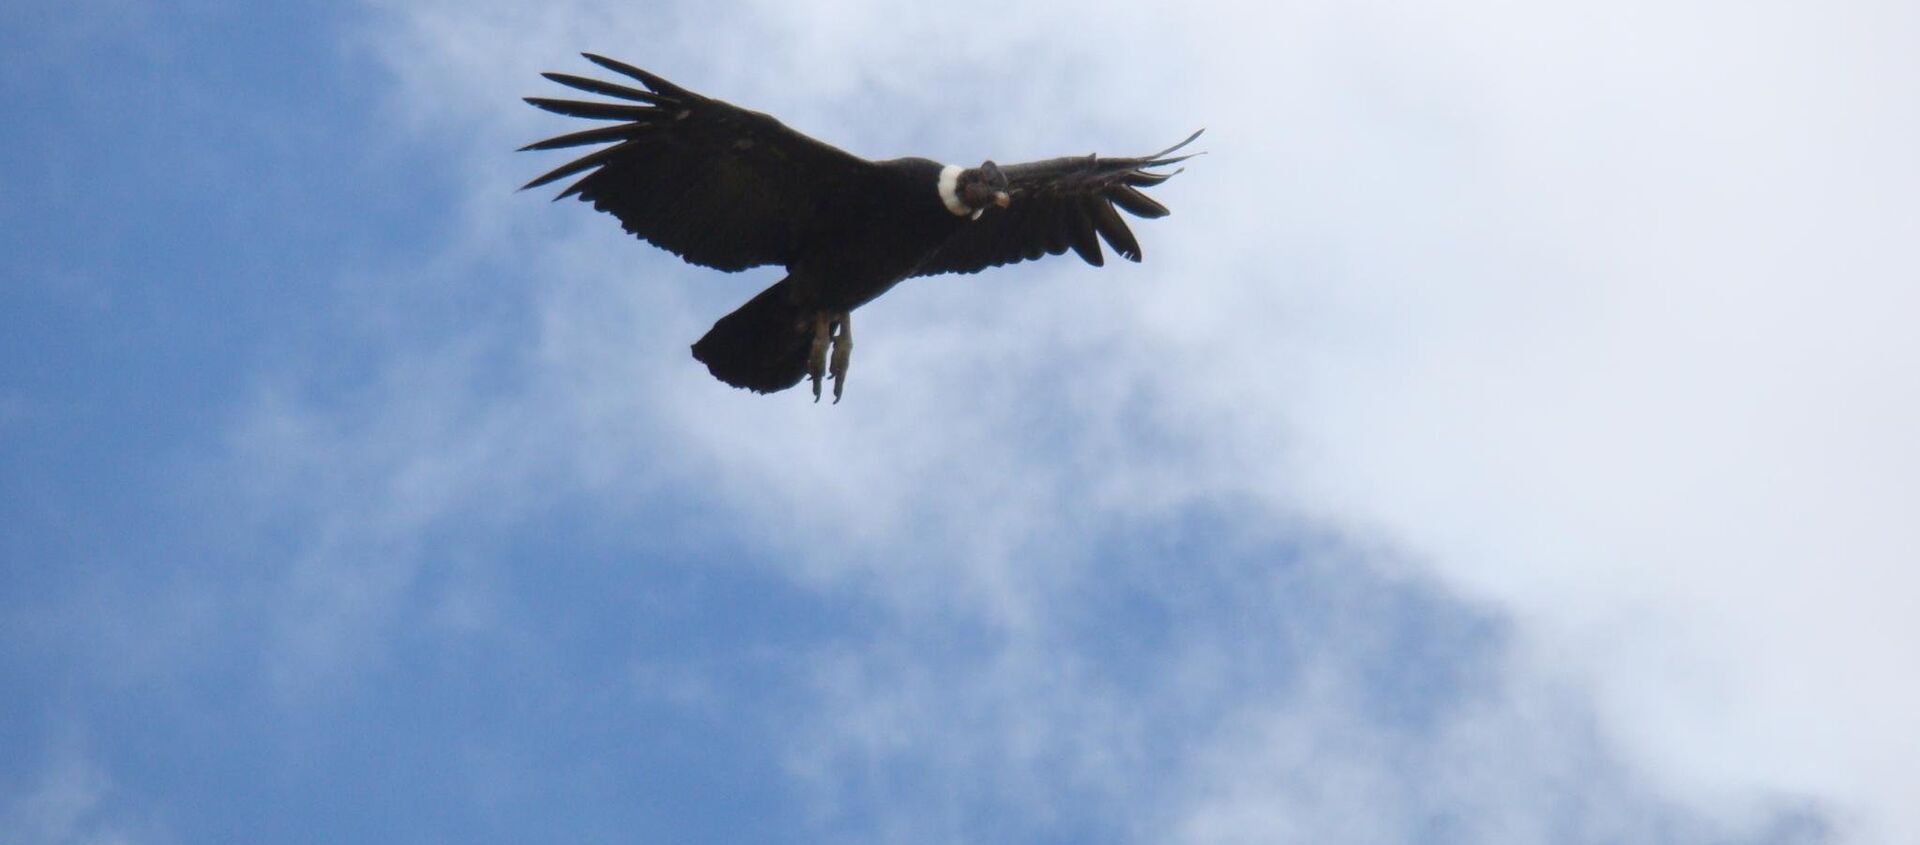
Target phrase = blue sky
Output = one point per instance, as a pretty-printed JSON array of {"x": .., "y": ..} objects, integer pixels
[{"x": 1505, "y": 440}]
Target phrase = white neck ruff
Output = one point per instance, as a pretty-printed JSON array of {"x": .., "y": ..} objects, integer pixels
[{"x": 950, "y": 191}]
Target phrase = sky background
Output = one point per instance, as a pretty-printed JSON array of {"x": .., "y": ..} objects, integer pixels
[{"x": 1508, "y": 439}]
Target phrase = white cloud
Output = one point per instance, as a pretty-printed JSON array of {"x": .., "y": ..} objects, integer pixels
[
  {"x": 1599, "y": 313},
  {"x": 70, "y": 802},
  {"x": 1636, "y": 372}
]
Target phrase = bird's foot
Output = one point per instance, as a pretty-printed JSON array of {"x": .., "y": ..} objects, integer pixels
[{"x": 835, "y": 332}]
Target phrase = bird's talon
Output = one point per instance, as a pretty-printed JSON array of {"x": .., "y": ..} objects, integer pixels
[
  {"x": 817, "y": 352},
  {"x": 842, "y": 355}
]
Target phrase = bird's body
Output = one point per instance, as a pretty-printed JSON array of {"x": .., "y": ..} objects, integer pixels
[
  {"x": 729, "y": 188},
  {"x": 767, "y": 344},
  {"x": 895, "y": 218}
]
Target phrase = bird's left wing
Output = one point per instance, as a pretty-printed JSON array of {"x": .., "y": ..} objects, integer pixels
[
  {"x": 714, "y": 183},
  {"x": 1057, "y": 205}
]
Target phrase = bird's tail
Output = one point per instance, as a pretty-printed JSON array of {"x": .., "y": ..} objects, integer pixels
[{"x": 762, "y": 346}]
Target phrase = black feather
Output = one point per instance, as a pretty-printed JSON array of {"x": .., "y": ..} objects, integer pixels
[
  {"x": 1136, "y": 203},
  {"x": 619, "y": 132},
  {"x": 1159, "y": 157},
  {"x": 590, "y": 160},
  {"x": 593, "y": 111},
  {"x": 1113, "y": 228},
  {"x": 1085, "y": 242},
  {"x": 607, "y": 88},
  {"x": 654, "y": 82},
  {"x": 1143, "y": 179}
]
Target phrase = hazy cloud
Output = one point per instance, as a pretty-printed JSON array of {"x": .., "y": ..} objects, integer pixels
[{"x": 70, "y": 802}]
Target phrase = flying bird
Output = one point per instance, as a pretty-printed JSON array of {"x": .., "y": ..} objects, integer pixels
[{"x": 728, "y": 188}]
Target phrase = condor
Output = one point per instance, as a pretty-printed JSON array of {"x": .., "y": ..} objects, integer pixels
[{"x": 728, "y": 188}]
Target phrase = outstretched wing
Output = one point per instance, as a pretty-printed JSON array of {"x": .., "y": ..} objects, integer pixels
[
  {"x": 711, "y": 182},
  {"x": 1057, "y": 205}
]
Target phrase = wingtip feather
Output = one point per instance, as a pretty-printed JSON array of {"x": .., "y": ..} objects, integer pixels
[
  {"x": 596, "y": 86},
  {"x": 592, "y": 110},
  {"x": 652, "y": 81},
  {"x": 1160, "y": 158}
]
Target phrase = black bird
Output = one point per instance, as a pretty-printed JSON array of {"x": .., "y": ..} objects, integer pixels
[{"x": 729, "y": 188}]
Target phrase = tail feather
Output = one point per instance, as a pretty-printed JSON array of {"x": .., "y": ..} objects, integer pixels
[{"x": 762, "y": 346}]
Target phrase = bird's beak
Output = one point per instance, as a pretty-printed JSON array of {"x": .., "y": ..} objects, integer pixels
[{"x": 1000, "y": 198}]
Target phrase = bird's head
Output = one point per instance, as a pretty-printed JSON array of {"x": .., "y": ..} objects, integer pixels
[
  {"x": 969, "y": 192},
  {"x": 984, "y": 186}
]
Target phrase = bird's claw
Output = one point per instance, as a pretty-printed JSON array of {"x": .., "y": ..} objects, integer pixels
[
  {"x": 817, "y": 353},
  {"x": 842, "y": 355},
  {"x": 835, "y": 332}
]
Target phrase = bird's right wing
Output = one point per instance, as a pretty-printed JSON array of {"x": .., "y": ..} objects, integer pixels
[
  {"x": 1057, "y": 205},
  {"x": 714, "y": 183}
]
